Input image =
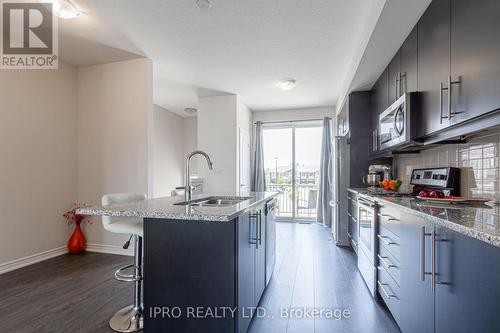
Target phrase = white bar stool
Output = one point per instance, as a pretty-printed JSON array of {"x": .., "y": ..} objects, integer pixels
[{"x": 130, "y": 318}]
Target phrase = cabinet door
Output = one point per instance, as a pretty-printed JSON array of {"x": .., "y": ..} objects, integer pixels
[
  {"x": 468, "y": 289},
  {"x": 260, "y": 256},
  {"x": 417, "y": 297},
  {"x": 394, "y": 70},
  {"x": 246, "y": 270},
  {"x": 475, "y": 57},
  {"x": 383, "y": 92},
  {"x": 434, "y": 64},
  {"x": 409, "y": 67}
]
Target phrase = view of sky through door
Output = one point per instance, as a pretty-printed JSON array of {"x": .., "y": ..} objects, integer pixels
[{"x": 291, "y": 162}]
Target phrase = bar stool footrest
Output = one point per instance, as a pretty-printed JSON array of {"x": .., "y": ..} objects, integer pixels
[{"x": 120, "y": 276}]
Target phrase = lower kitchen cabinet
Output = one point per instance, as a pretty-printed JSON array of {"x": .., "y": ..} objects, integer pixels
[
  {"x": 352, "y": 217},
  {"x": 464, "y": 294},
  {"x": 246, "y": 268},
  {"x": 417, "y": 297},
  {"x": 251, "y": 264},
  {"x": 468, "y": 284},
  {"x": 260, "y": 254}
]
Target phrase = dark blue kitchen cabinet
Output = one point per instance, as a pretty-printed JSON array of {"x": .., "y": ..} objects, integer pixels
[
  {"x": 434, "y": 66},
  {"x": 475, "y": 58},
  {"x": 409, "y": 68},
  {"x": 467, "y": 284},
  {"x": 394, "y": 77},
  {"x": 246, "y": 268},
  {"x": 417, "y": 297},
  {"x": 260, "y": 254}
]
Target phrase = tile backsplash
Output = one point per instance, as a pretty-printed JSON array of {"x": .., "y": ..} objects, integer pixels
[{"x": 477, "y": 160}]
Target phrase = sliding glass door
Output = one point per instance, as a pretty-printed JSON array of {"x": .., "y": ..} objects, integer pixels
[{"x": 291, "y": 161}]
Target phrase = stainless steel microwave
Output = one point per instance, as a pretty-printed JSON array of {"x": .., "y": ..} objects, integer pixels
[{"x": 398, "y": 124}]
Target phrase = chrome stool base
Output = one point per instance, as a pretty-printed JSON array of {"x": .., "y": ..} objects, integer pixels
[{"x": 128, "y": 319}]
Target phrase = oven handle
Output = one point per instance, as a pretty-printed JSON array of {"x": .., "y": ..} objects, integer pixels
[{"x": 366, "y": 203}]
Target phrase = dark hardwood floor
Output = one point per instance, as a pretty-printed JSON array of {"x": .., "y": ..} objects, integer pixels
[
  {"x": 70, "y": 293},
  {"x": 79, "y": 293}
]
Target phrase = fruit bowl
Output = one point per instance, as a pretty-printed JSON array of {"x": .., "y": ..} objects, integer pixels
[{"x": 390, "y": 185}]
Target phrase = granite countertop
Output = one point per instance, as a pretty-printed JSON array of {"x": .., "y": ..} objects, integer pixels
[
  {"x": 165, "y": 208},
  {"x": 480, "y": 221}
]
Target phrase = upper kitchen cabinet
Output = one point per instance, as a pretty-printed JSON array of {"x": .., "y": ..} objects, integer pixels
[
  {"x": 343, "y": 120},
  {"x": 475, "y": 58},
  {"x": 434, "y": 65},
  {"x": 379, "y": 101},
  {"x": 408, "y": 74},
  {"x": 383, "y": 92},
  {"x": 394, "y": 77}
]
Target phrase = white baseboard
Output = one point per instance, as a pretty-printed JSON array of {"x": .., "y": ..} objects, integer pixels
[
  {"x": 32, "y": 259},
  {"x": 110, "y": 249}
]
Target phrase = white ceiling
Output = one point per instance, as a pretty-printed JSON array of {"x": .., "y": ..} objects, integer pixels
[{"x": 235, "y": 47}]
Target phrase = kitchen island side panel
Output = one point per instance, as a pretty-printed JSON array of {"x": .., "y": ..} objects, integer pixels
[{"x": 189, "y": 265}]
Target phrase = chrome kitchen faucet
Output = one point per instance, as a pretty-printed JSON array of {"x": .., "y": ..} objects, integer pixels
[{"x": 188, "y": 191}]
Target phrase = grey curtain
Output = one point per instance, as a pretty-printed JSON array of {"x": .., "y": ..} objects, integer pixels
[
  {"x": 324, "y": 210},
  {"x": 259, "y": 177}
]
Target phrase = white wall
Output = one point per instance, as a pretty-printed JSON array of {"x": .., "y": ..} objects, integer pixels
[
  {"x": 168, "y": 151},
  {"x": 216, "y": 136},
  {"x": 244, "y": 125},
  {"x": 190, "y": 141},
  {"x": 114, "y": 117},
  {"x": 38, "y": 179}
]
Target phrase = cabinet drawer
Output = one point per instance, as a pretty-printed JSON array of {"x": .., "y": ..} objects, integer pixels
[
  {"x": 390, "y": 293},
  {"x": 390, "y": 219},
  {"x": 389, "y": 241},
  {"x": 389, "y": 263}
]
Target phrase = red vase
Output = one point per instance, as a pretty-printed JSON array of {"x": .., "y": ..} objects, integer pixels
[{"x": 76, "y": 243}]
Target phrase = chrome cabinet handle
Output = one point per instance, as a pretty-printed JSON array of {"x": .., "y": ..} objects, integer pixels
[
  {"x": 433, "y": 261},
  {"x": 441, "y": 88},
  {"x": 388, "y": 217},
  {"x": 389, "y": 296},
  {"x": 423, "y": 273},
  {"x": 255, "y": 240},
  {"x": 384, "y": 239},
  {"x": 396, "y": 80},
  {"x": 389, "y": 266},
  {"x": 260, "y": 227},
  {"x": 450, "y": 85},
  {"x": 349, "y": 235},
  {"x": 401, "y": 76}
]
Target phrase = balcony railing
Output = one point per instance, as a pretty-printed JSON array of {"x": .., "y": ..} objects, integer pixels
[{"x": 305, "y": 200}]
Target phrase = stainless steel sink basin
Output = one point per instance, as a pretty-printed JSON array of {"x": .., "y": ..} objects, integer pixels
[{"x": 213, "y": 201}]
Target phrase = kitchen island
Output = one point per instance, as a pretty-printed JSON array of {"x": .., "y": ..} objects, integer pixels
[{"x": 205, "y": 264}]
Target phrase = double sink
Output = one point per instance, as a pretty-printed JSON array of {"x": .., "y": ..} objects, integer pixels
[{"x": 214, "y": 201}]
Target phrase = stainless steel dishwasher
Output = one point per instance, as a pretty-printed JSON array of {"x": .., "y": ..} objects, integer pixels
[{"x": 270, "y": 212}]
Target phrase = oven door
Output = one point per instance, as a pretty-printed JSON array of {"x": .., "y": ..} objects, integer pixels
[
  {"x": 366, "y": 223},
  {"x": 393, "y": 124}
]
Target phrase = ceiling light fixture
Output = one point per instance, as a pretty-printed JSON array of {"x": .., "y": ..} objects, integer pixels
[
  {"x": 203, "y": 4},
  {"x": 190, "y": 111},
  {"x": 287, "y": 84},
  {"x": 65, "y": 9}
]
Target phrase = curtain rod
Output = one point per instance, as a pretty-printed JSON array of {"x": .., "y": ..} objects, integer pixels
[{"x": 290, "y": 121}]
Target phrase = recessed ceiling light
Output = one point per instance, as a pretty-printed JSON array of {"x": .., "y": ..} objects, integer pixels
[
  {"x": 287, "y": 84},
  {"x": 203, "y": 4},
  {"x": 65, "y": 9}
]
